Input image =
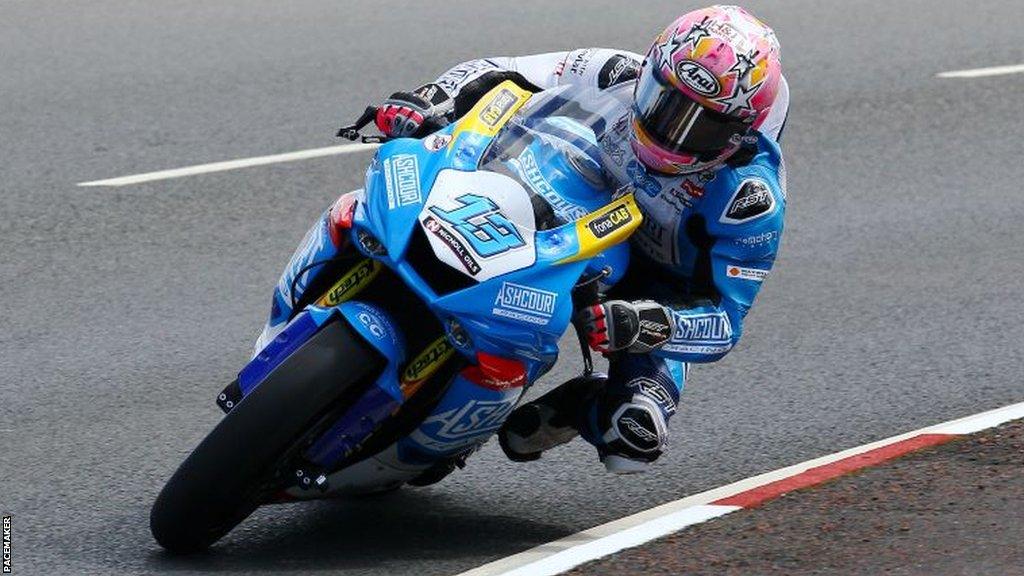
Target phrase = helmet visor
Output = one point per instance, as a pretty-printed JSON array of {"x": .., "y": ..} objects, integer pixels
[{"x": 680, "y": 124}]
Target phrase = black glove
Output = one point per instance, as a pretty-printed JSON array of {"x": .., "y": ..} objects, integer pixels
[
  {"x": 413, "y": 114},
  {"x": 638, "y": 327}
]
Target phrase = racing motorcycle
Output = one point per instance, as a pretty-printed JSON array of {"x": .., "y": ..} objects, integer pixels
[{"x": 454, "y": 272}]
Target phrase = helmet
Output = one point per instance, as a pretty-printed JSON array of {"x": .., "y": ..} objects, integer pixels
[{"x": 709, "y": 79}]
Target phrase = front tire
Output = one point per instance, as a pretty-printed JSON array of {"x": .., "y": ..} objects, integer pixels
[{"x": 219, "y": 484}]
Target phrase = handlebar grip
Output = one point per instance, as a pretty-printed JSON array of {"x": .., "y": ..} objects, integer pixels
[{"x": 351, "y": 132}]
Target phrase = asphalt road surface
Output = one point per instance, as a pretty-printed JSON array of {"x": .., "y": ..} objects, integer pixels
[
  {"x": 949, "y": 510},
  {"x": 895, "y": 303}
]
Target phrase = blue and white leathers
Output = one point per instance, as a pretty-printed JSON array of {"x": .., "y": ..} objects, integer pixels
[
  {"x": 686, "y": 233},
  {"x": 708, "y": 240}
]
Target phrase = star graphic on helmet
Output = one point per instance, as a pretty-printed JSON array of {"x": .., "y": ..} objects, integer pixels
[
  {"x": 740, "y": 98},
  {"x": 669, "y": 48},
  {"x": 697, "y": 32},
  {"x": 744, "y": 64}
]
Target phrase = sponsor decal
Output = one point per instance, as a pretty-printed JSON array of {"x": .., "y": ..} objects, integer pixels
[
  {"x": 731, "y": 34},
  {"x": 377, "y": 324},
  {"x": 636, "y": 427},
  {"x": 452, "y": 428},
  {"x": 701, "y": 334},
  {"x": 498, "y": 107},
  {"x": 452, "y": 79},
  {"x": 402, "y": 180},
  {"x": 754, "y": 274},
  {"x": 642, "y": 180},
  {"x": 696, "y": 348},
  {"x": 757, "y": 239},
  {"x": 752, "y": 199},
  {"x": 530, "y": 172},
  {"x": 698, "y": 78},
  {"x": 713, "y": 328},
  {"x": 621, "y": 123},
  {"x": 435, "y": 142},
  {"x": 435, "y": 227},
  {"x": 351, "y": 283},
  {"x": 654, "y": 391},
  {"x": 480, "y": 222},
  {"x": 617, "y": 70},
  {"x": 524, "y": 303},
  {"x": 425, "y": 365},
  {"x": 655, "y": 329},
  {"x": 373, "y": 324},
  {"x": 611, "y": 221},
  {"x": 678, "y": 199},
  {"x": 580, "y": 62},
  {"x": 638, "y": 430},
  {"x": 692, "y": 189},
  {"x": 613, "y": 148}
]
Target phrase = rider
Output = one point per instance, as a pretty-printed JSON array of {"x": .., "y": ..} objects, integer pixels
[{"x": 697, "y": 140}]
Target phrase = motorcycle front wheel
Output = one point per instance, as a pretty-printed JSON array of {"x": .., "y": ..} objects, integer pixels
[{"x": 225, "y": 478}]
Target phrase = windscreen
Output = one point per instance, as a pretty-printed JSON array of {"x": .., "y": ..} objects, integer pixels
[{"x": 551, "y": 147}]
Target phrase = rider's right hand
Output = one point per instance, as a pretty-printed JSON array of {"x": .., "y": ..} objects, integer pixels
[{"x": 413, "y": 114}]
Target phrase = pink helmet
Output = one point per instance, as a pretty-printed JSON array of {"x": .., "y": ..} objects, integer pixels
[{"x": 709, "y": 79}]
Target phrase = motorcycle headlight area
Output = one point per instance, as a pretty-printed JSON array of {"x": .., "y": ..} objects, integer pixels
[{"x": 369, "y": 243}]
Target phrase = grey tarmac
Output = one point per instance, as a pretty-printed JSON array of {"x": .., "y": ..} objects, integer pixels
[{"x": 944, "y": 511}]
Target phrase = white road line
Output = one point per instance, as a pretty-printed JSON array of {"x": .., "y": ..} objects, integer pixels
[
  {"x": 568, "y": 558},
  {"x": 978, "y": 422},
  {"x": 979, "y": 72},
  {"x": 600, "y": 541},
  {"x": 231, "y": 165},
  {"x": 350, "y": 148}
]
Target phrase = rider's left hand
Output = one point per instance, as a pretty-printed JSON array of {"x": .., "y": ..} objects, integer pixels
[
  {"x": 638, "y": 327},
  {"x": 411, "y": 114}
]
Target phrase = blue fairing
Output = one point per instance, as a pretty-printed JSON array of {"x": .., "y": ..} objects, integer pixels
[{"x": 518, "y": 311}]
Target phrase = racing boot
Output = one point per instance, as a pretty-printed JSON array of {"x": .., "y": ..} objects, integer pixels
[{"x": 548, "y": 421}]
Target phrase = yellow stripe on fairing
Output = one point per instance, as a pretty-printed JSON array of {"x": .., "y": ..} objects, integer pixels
[
  {"x": 606, "y": 227},
  {"x": 493, "y": 110}
]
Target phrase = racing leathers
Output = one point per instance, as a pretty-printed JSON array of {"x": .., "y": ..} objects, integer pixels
[{"x": 707, "y": 243}]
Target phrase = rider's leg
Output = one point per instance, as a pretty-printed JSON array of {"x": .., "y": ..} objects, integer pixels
[
  {"x": 549, "y": 420},
  {"x": 625, "y": 415},
  {"x": 628, "y": 421}
]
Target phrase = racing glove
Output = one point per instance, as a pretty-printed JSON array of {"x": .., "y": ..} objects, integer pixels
[
  {"x": 637, "y": 327},
  {"x": 413, "y": 114}
]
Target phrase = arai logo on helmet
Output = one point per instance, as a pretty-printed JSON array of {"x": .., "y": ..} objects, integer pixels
[{"x": 698, "y": 78}]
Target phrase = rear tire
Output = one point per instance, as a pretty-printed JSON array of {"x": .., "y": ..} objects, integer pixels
[{"x": 219, "y": 484}]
